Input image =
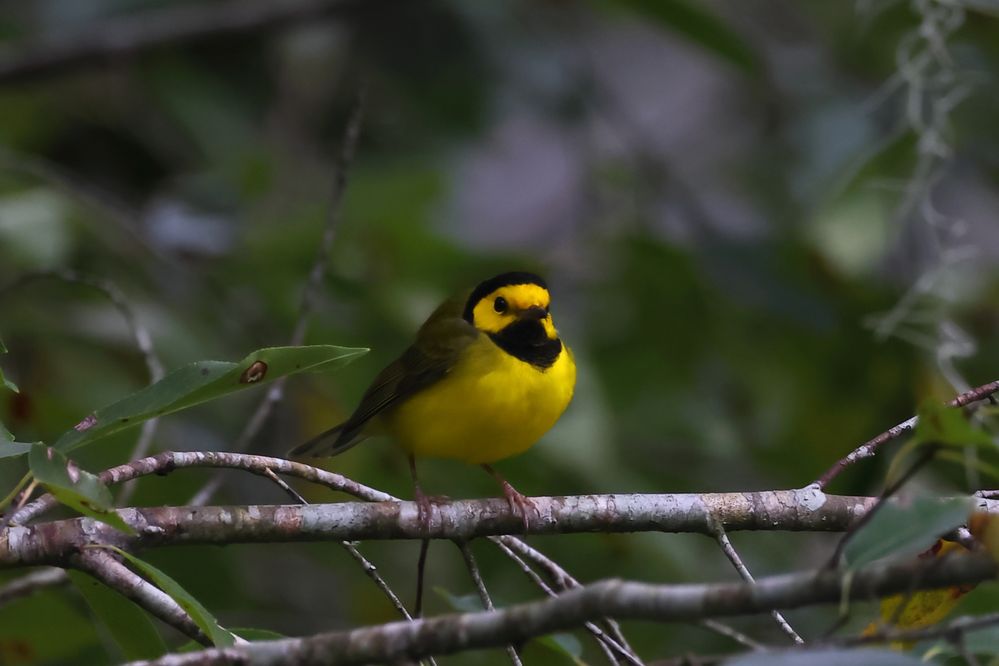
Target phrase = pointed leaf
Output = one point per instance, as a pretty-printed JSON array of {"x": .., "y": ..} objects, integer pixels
[
  {"x": 126, "y": 622},
  {"x": 3, "y": 380},
  {"x": 905, "y": 530},
  {"x": 204, "y": 619},
  {"x": 10, "y": 448},
  {"x": 564, "y": 644},
  {"x": 200, "y": 382},
  {"x": 74, "y": 487}
]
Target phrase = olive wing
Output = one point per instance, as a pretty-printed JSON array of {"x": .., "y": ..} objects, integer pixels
[{"x": 439, "y": 344}]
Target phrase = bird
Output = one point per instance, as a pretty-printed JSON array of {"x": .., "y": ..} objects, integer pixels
[{"x": 486, "y": 378}]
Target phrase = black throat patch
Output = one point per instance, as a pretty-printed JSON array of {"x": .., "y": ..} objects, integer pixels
[{"x": 526, "y": 339}]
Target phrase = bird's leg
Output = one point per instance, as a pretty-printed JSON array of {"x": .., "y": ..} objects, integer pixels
[
  {"x": 518, "y": 503},
  {"x": 423, "y": 518},
  {"x": 423, "y": 502}
]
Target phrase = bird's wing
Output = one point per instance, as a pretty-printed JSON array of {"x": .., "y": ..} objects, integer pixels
[{"x": 439, "y": 343}]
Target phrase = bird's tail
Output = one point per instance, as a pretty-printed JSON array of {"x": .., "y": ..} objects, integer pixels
[{"x": 329, "y": 443}]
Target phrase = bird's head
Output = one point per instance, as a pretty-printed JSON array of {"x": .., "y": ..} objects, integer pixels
[
  {"x": 513, "y": 310},
  {"x": 511, "y": 299}
]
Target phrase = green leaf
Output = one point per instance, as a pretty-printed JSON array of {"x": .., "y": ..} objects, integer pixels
[
  {"x": 3, "y": 380},
  {"x": 948, "y": 426},
  {"x": 905, "y": 530},
  {"x": 565, "y": 644},
  {"x": 700, "y": 26},
  {"x": 205, "y": 620},
  {"x": 826, "y": 657},
  {"x": 983, "y": 641},
  {"x": 74, "y": 487},
  {"x": 10, "y": 448},
  {"x": 464, "y": 603},
  {"x": 126, "y": 622},
  {"x": 200, "y": 382}
]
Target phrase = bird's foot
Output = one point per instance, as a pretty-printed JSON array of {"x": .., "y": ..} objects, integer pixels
[
  {"x": 425, "y": 507},
  {"x": 520, "y": 504}
]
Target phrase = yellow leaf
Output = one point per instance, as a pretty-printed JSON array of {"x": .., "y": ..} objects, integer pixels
[{"x": 925, "y": 607}]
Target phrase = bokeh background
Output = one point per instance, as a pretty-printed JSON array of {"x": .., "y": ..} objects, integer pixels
[{"x": 769, "y": 227}]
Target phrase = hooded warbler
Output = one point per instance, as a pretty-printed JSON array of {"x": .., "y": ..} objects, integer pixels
[{"x": 485, "y": 379}]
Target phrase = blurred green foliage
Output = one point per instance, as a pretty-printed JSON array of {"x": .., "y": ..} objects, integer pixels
[{"x": 717, "y": 196}]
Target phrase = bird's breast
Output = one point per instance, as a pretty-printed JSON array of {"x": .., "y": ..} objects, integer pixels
[{"x": 490, "y": 406}]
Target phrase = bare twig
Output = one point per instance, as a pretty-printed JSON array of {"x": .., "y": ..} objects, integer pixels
[
  {"x": 104, "y": 567},
  {"x": 870, "y": 447},
  {"x": 606, "y": 643},
  {"x": 480, "y": 586},
  {"x": 728, "y": 632},
  {"x": 452, "y": 633},
  {"x": 564, "y": 581},
  {"x": 275, "y": 393},
  {"x": 924, "y": 457},
  {"x": 127, "y": 37},
  {"x": 370, "y": 570},
  {"x": 166, "y": 462},
  {"x": 31, "y": 583},
  {"x": 733, "y": 556}
]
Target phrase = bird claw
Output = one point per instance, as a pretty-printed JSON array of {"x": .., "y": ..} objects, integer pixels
[
  {"x": 424, "y": 508},
  {"x": 520, "y": 504}
]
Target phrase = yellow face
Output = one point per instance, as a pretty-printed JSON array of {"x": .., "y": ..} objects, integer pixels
[{"x": 512, "y": 303}]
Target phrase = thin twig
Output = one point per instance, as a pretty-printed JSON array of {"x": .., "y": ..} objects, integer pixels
[
  {"x": 31, "y": 583},
  {"x": 370, "y": 570},
  {"x": 723, "y": 629},
  {"x": 166, "y": 462},
  {"x": 928, "y": 452},
  {"x": 870, "y": 447},
  {"x": 606, "y": 643},
  {"x": 733, "y": 556},
  {"x": 564, "y": 581},
  {"x": 275, "y": 393},
  {"x": 480, "y": 586}
]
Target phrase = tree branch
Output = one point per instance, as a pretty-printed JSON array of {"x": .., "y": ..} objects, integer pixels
[
  {"x": 166, "y": 462},
  {"x": 452, "y": 633},
  {"x": 870, "y": 447},
  {"x": 104, "y": 567},
  {"x": 785, "y": 510}
]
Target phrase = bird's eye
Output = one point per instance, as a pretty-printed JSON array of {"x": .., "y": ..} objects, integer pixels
[{"x": 500, "y": 304}]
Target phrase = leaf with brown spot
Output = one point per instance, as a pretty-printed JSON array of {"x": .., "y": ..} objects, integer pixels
[{"x": 74, "y": 487}]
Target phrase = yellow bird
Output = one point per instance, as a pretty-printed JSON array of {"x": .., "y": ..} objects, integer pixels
[{"x": 485, "y": 379}]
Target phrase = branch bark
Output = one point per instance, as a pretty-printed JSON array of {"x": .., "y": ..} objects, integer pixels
[
  {"x": 453, "y": 633},
  {"x": 780, "y": 510},
  {"x": 104, "y": 567}
]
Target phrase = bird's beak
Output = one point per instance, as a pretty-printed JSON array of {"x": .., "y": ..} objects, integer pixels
[{"x": 534, "y": 312}]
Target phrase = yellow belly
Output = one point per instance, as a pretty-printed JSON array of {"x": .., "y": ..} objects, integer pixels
[{"x": 489, "y": 407}]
